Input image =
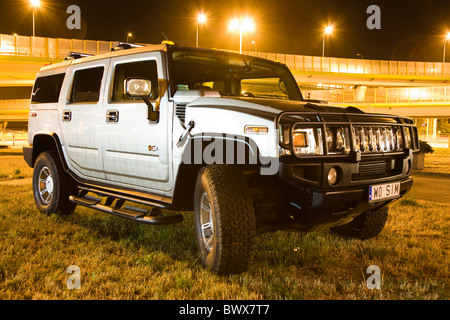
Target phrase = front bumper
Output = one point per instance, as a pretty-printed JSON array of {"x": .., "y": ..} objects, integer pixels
[{"x": 312, "y": 204}]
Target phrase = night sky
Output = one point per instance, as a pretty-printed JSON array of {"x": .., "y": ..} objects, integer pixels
[{"x": 410, "y": 29}]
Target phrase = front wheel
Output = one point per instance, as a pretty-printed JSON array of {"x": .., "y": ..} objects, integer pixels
[
  {"x": 52, "y": 186},
  {"x": 224, "y": 219},
  {"x": 365, "y": 226}
]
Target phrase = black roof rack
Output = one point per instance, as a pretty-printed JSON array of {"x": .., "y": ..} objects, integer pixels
[
  {"x": 77, "y": 55},
  {"x": 124, "y": 46}
]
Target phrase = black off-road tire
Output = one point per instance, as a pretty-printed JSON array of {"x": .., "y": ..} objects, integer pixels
[
  {"x": 224, "y": 219},
  {"x": 366, "y": 226},
  {"x": 52, "y": 186}
]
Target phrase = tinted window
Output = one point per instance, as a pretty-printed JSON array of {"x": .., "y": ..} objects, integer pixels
[
  {"x": 142, "y": 69},
  {"x": 46, "y": 89},
  {"x": 231, "y": 75},
  {"x": 86, "y": 85}
]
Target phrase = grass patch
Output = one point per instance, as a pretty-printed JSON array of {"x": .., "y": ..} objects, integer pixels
[
  {"x": 120, "y": 259},
  {"x": 13, "y": 166},
  {"x": 409, "y": 202}
]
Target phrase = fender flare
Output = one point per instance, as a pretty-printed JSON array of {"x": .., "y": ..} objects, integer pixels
[
  {"x": 188, "y": 168},
  {"x": 41, "y": 144},
  {"x": 220, "y": 143}
]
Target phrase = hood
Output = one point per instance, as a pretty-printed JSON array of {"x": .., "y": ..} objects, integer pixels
[{"x": 265, "y": 108}]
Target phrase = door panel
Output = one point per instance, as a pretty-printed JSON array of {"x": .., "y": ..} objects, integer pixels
[
  {"x": 81, "y": 118},
  {"x": 135, "y": 151}
]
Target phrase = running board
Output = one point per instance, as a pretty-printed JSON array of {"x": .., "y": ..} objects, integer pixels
[{"x": 131, "y": 213}]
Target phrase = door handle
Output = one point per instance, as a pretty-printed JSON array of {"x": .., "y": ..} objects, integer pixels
[
  {"x": 112, "y": 116},
  {"x": 67, "y": 115}
]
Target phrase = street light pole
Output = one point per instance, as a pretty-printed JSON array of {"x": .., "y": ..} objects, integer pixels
[
  {"x": 328, "y": 31},
  {"x": 323, "y": 46},
  {"x": 240, "y": 41},
  {"x": 245, "y": 24},
  {"x": 128, "y": 36},
  {"x": 196, "y": 40},
  {"x": 34, "y": 30},
  {"x": 34, "y": 4},
  {"x": 445, "y": 47},
  {"x": 200, "y": 19}
]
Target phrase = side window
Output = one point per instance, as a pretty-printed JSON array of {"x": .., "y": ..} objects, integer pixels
[
  {"x": 86, "y": 85},
  {"x": 46, "y": 89},
  {"x": 141, "y": 69}
]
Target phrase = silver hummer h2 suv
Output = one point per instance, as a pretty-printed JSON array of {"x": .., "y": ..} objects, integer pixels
[{"x": 227, "y": 136}]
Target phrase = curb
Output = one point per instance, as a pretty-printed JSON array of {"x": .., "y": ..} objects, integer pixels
[{"x": 431, "y": 174}]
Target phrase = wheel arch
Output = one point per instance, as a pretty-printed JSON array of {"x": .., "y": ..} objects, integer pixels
[
  {"x": 189, "y": 168},
  {"x": 47, "y": 141}
]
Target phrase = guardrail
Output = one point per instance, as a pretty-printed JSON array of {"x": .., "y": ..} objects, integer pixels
[
  {"x": 15, "y": 45},
  {"x": 11, "y": 139},
  {"x": 358, "y": 66},
  {"x": 15, "y": 105},
  {"x": 382, "y": 95}
]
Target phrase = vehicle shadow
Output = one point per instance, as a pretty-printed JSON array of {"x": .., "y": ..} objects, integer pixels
[
  {"x": 177, "y": 240},
  {"x": 279, "y": 250}
]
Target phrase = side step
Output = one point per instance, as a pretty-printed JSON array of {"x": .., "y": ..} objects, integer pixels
[{"x": 135, "y": 214}]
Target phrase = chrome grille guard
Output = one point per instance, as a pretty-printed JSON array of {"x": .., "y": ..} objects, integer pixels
[{"x": 358, "y": 134}]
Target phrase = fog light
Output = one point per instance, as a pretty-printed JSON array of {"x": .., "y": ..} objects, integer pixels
[{"x": 332, "y": 176}]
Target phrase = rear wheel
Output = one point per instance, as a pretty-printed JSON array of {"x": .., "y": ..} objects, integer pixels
[
  {"x": 365, "y": 226},
  {"x": 52, "y": 186},
  {"x": 224, "y": 219}
]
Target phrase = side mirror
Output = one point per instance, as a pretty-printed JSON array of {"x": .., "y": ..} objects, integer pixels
[
  {"x": 142, "y": 88},
  {"x": 138, "y": 87}
]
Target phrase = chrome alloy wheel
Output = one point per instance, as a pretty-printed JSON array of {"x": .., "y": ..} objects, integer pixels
[
  {"x": 206, "y": 221},
  {"x": 45, "y": 185}
]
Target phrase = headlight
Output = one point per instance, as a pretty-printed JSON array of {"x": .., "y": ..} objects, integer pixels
[
  {"x": 307, "y": 141},
  {"x": 338, "y": 140}
]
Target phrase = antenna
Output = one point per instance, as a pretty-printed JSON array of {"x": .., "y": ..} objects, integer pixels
[{"x": 167, "y": 39}]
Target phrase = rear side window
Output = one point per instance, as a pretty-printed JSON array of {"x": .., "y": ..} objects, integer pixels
[
  {"x": 46, "y": 89},
  {"x": 86, "y": 85},
  {"x": 137, "y": 70}
]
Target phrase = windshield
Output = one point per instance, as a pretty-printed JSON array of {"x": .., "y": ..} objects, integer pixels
[{"x": 231, "y": 75}]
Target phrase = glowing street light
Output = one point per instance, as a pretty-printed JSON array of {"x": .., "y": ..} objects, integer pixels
[
  {"x": 201, "y": 19},
  {"x": 445, "y": 46},
  {"x": 328, "y": 31},
  {"x": 129, "y": 35},
  {"x": 242, "y": 25},
  {"x": 35, "y": 4}
]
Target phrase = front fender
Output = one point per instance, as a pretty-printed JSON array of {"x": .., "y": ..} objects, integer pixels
[
  {"x": 43, "y": 141},
  {"x": 221, "y": 121}
]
